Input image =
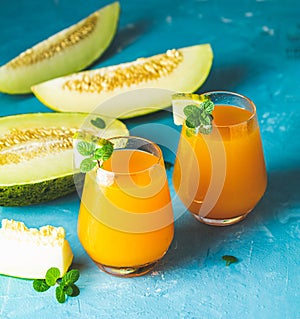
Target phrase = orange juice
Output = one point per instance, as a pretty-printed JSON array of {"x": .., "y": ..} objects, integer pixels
[
  {"x": 222, "y": 175},
  {"x": 125, "y": 218}
]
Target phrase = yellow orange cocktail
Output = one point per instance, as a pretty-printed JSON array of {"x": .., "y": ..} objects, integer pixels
[
  {"x": 221, "y": 176},
  {"x": 125, "y": 220}
]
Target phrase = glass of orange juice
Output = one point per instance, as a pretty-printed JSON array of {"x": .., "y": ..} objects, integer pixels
[
  {"x": 125, "y": 220},
  {"x": 221, "y": 176}
]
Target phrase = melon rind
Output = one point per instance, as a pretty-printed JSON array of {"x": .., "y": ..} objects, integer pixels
[
  {"x": 71, "y": 59},
  {"x": 187, "y": 77},
  {"x": 38, "y": 192},
  {"x": 49, "y": 176}
]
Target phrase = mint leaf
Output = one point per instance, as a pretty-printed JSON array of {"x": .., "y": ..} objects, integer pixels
[
  {"x": 208, "y": 105},
  {"x": 85, "y": 148},
  {"x": 40, "y": 285},
  {"x": 205, "y": 118},
  {"x": 95, "y": 155},
  {"x": 60, "y": 294},
  {"x": 72, "y": 290},
  {"x": 105, "y": 152},
  {"x": 98, "y": 122},
  {"x": 205, "y": 123},
  {"x": 68, "y": 290},
  {"x": 52, "y": 275},
  {"x": 192, "y": 122},
  {"x": 229, "y": 259},
  {"x": 70, "y": 277},
  {"x": 192, "y": 113},
  {"x": 199, "y": 117},
  {"x": 87, "y": 164},
  {"x": 191, "y": 110}
]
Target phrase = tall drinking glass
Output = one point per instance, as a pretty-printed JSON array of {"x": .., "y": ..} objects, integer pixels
[
  {"x": 125, "y": 221},
  {"x": 221, "y": 176}
]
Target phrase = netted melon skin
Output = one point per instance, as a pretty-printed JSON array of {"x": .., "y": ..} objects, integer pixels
[
  {"x": 35, "y": 193},
  {"x": 36, "y": 155}
]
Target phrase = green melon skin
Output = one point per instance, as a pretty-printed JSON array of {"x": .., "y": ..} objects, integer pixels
[
  {"x": 44, "y": 169},
  {"x": 17, "y": 76},
  {"x": 35, "y": 193}
]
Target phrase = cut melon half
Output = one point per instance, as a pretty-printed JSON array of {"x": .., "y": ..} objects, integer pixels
[
  {"x": 36, "y": 154},
  {"x": 68, "y": 51},
  {"x": 143, "y": 86}
]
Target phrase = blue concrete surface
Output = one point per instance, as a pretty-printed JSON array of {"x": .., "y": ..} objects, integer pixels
[{"x": 256, "y": 47}]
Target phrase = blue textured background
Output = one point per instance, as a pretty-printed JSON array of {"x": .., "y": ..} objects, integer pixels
[{"x": 256, "y": 48}]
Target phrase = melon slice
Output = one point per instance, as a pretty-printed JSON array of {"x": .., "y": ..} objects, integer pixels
[
  {"x": 148, "y": 81},
  {"x": 180, "y": 101},
  {"x": 30, "y": 252},
  {"x": 36, "y": 154},
  {"x": 68, "y": 51}
]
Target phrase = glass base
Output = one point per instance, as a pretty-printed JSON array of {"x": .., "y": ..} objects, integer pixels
[
  {"x": 127, "y": 271},
  {"x": 219, "y": 222}
]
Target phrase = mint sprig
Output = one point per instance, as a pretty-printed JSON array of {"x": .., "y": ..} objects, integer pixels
[
  {"x": 199, "y": 118},
  {"x": 95, "y": 154},
  {"x": 40, "y": 285},
  {"x": 66, "y": 284}
]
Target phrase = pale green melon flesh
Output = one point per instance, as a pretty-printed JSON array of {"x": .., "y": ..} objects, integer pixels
[
  {"x": 47, "y": 175},
  {"x": 29, "y": 252},
  {"x": 136, "y": 99},
  {"x": 72, "y": 58}
]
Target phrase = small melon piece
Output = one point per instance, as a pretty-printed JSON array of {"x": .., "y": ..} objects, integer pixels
[
  {"x": 30, "y": 252},
  {"x": 69, "y": 50},
  {"x": 180, "y": 101},
  {"x": 36, "y": 154},
  {"x": 182, "y": 70}
]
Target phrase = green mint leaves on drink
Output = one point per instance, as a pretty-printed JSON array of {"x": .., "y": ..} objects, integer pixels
[
  {"x": 199, "y": 118},
  {"x": 65, "y": 286},
  {"x": 229, "y": 259},
  {"x": 95, "y": 153}
]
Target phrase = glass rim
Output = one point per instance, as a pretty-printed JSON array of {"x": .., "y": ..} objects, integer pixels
[
  {"x": 137, "y": 171},
  {"x": 251, "y": 103}
]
